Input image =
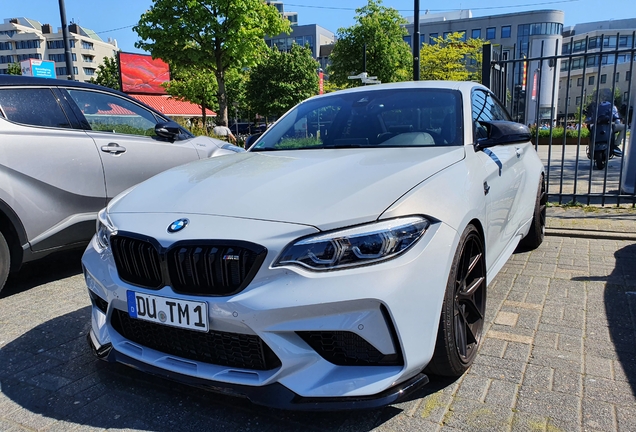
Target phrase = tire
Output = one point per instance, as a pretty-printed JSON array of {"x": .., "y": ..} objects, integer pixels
[
  {"x": 535, "y": 236},
  {"x": 462, "y": 318},
  {"x": 5, "y": 261},
  {"x": 600, "y": 160}
]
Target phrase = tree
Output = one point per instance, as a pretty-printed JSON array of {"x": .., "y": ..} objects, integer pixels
[
  {"x": 107, "y": 73},
  {"x": 193, "y": 84},
  {"x": 388, "y": 56},
  {"x": 451, "y": 59},
  {"x": 282, "y": 80},
  {"x": 14, "y": 69},
  {"x": 216, "y": 35}
]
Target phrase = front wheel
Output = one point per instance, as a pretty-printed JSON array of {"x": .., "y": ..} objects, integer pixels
[
  {"x": 599, "y": 158},
  {"x": 5, "y": 261},
  {"x": 535, "y": 236},
  {"x": 462, "y": 319}
]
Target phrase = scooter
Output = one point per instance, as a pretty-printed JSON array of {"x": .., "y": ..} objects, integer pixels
[{"x": 603, "y": 136}]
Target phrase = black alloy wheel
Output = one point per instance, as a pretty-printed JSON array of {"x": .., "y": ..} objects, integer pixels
[
  {"x": 462, "y": 318},
  {"x": 536, "y": 234},
  {"x": 470, "y": 299}
]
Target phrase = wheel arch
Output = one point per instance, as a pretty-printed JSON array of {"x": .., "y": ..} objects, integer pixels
[{"x": 14, "y": 234}]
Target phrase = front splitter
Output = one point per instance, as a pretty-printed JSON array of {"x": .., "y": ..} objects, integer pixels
[{"x": 272, "y": 395}]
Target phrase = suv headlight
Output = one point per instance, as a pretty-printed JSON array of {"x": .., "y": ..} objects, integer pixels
[
  {"x": 105, "y": 229},
  {"x": 362, "y": 245}
]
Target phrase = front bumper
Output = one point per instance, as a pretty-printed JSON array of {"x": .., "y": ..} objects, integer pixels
[
  {"x": 394, "y": 306},
  {"x": 272, "y": 395}
]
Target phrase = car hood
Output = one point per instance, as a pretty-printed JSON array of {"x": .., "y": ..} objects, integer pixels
[{"x": 325, "y": 188}]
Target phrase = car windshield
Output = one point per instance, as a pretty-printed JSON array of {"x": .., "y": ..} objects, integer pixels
[{"x": 373, "y": 118}]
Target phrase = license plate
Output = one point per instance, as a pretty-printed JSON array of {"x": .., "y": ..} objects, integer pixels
[{"x": 190, "y": 315}]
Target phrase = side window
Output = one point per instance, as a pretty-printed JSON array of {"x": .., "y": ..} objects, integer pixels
[
  {"x": 484, "y": 109},
  {"x": 109, "y": 113},
  {"x": 32, "y": 106}
]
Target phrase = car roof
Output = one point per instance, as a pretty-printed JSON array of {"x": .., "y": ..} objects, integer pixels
[
  {"x": 19, "y": 80},
  {"x": 464, "y": 86}
]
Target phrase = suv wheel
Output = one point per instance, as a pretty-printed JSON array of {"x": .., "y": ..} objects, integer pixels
[{"x": 5, "y": 261}]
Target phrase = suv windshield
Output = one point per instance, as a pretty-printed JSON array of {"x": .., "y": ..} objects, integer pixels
[{"x": 373, "y": 118}]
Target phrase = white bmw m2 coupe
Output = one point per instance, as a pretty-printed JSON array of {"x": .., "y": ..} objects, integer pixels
[{"x": 336, "y": 264}]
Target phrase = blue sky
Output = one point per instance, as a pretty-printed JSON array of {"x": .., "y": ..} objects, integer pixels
[{"x": 115, "y": 18}]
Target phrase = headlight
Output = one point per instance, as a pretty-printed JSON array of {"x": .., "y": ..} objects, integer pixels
[
  {"x": 105, "y": 229},
  {"x": 366, "y": 244}
]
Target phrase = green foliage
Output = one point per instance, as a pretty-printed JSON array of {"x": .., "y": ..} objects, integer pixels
[
  {"x": 282, "y": 80},
  {"x": 557, "y": 133},
  {"x": 193, "y": 84},
  {"x": 216, "y": 35},
  {"x": 296, "y": 143},
  {"x": 450, "y": 59},
  {"x": 14, "y": 69},
  {"x": 388, "y": 56},
  {"x": 107, "y": 73}
]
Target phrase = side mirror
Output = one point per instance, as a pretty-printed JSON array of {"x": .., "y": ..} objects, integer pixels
[
  {"x": 251, "y": 140},
  {"x": 503, "y": 132},
  {"x": 169, "y": 130}
]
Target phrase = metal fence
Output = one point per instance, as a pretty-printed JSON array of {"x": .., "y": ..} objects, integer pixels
[{"x": 539, "y": 91}]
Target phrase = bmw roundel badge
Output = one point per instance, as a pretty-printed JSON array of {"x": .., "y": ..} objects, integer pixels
[{"x": 178, "y": 225}]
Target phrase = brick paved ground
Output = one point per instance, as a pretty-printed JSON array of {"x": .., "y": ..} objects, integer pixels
[{"x": 558, "y": 356}]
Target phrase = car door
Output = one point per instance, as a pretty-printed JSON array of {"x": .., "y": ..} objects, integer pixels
[
  {"x": 124, "y": 133},
  {"x": 50, "y": 172},
  {"x": 504, "y": 176}
]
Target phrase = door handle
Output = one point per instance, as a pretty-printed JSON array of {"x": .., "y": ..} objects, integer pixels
[{"x": 113, "y": 148}]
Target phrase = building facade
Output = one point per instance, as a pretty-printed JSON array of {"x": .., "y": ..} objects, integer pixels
[
  {"x": 588, "y": 71},
  {"x": 23, "y": 38},
  {"x": 311, "y": 35},
  {"x": 518, "y": 36}
]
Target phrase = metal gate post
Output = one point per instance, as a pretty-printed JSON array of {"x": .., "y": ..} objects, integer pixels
[{"x": 486, "y": 66}]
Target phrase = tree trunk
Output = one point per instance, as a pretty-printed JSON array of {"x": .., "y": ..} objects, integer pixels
[
  {"x": 221, "y": 116},
  {"x": 203, "y": 116}
]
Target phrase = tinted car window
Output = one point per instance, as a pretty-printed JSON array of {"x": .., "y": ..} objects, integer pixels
[
  {"x": 486, "y": 108},
  {"x": 386, "y": 118},
  {"x": 32, "y": 106},
  {"x": 110, "y": 113}
]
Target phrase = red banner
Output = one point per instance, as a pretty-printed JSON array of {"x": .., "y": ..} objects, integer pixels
[{"x": 321, "y": 82}]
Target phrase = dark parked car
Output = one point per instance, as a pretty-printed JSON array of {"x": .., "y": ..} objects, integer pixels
[{"x": 67, "y": 148}]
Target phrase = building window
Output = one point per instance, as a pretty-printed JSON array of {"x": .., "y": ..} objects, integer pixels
[
  {"x": 578, "y": 100},
  {"x": 618, "y": 76},
  {"x": 407, "y": 39},
  {"x": 422, "y": 39},
  {"x": 491, "y": 32},
  {"x": 505, "y": 32},
  {"x": 446, "y": 35},
  {"x": 62, "y": 70},
  {"x": 61, "y": 57},
  {"x": 432, "y": 37},
  {"x": 87, "y": 45},
  {"x": 603, "y": 79},
  {"x": 59, "y": 44},
  {"x": 566, "y": 48},
  {"x": 590, "y": 80},
  {"x": 628, "y": 76},
  {"x": 579, "y": 46},
  {"x": 579, "y": 82},
  {"x": 475, "y": 34},
  {"x": 463, "y": 35},
  {"x": 89, "y": 71}
]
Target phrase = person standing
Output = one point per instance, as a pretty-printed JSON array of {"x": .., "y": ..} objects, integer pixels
[{"x": 223, "y": 131}]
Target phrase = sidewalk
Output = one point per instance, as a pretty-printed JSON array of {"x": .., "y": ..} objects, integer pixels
[{"x": 591, "y": 222}]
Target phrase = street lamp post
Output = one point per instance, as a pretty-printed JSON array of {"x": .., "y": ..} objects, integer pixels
[
  {"x": 416, "y": 41},
  {"x": 67, "y": 47}
]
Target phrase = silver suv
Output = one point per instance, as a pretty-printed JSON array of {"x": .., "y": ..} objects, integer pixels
[{"x": 66, "y": 149}]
